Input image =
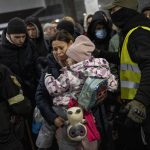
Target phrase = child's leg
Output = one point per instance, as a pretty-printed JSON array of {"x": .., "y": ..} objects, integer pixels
[{"x": 45, "y": 136}]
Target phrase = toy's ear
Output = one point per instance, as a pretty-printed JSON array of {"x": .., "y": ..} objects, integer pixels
[{"x": 83, "y": 121}]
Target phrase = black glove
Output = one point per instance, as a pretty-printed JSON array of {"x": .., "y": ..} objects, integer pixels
[{"x": 137, "y": 111}]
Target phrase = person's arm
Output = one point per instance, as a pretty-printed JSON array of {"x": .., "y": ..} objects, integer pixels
[
  {"x": 139, "y": 50},
  {"x": 59, "y": 85},
  {"x": 11, "y": 91},
  {"x": 44, "y": 102}
]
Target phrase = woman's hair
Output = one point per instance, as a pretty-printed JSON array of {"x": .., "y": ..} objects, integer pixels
[
  {"x": 63, "y": 35},
  {"x": 89, "y": 16}
]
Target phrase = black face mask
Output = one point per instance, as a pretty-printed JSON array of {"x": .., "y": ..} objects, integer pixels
[{"x": 122, "y": 16}]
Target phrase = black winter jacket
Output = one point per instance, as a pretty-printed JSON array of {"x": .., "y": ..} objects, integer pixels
[
  {"x": 22, "y": 62},
  {"x": 139, "y": 51},
  {"x": 10, "y": 89},
  {"x": 43, "y": 100}
]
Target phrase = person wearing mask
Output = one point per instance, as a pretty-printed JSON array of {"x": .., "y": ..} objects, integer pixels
[
  {"x": 99, "y": 31},
  {"x": 134, "y": 52},
  {"x": 12, "y": 103}
]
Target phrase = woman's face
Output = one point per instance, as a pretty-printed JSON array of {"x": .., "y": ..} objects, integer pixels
[{"x": 60, "y": 48}]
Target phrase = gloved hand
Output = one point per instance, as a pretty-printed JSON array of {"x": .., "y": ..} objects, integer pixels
[{"x": 137, "y": 111}]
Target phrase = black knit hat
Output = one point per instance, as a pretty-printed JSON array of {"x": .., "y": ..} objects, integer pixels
[
  {"x": 67, "y": 26},
  {"x": 16, "y": 26}
]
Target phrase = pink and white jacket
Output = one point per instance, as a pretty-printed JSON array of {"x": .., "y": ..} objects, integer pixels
[{"x": 70, "y": 82}]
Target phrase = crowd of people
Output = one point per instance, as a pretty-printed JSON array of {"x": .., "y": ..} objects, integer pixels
[{"x": 68, "y": 86}]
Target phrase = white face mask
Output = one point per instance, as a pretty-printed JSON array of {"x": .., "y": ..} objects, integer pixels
[{"x": 101, "y": 33}]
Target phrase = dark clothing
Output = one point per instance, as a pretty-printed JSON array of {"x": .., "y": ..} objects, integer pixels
[
  {"x": 101, "y": 44},
  {"x": 43, "y": 100},
  {"x": 138, "y": 48},
  {"x": 40, "y": 43},
  {"x": 10, "y": 90},
  {"x": 129, "y": 139},
  {"x": 21, "y": 61},
  {"x": 139, "y": 51},
  {"x": 112, "y": 57}
]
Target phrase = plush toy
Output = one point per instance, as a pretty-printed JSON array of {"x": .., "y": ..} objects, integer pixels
[{"x": 76, "y": 129}]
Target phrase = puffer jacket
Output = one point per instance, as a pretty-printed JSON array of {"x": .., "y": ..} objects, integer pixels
[{"x": 70, "y": 82}]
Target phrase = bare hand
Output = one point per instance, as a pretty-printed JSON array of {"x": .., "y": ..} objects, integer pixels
[{"x": 59, "y": 122}]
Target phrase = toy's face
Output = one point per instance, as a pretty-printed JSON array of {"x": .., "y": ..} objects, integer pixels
[
  {"x": 75, "y": 115},
  {"x": 77, "y": 132}
]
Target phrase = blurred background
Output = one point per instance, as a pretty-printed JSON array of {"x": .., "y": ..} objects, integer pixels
[{"x": 48, "y": 10}]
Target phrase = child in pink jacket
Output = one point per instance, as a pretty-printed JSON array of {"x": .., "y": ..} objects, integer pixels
[{"x": 80, "y": 65}]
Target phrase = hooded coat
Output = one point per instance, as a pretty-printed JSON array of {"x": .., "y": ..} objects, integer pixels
[
  {"x": 99, "y": 17},
  {"x": 40, "y": 43}
]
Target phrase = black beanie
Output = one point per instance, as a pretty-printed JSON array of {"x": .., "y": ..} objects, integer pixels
[
  {"x": 67, "y": 26},
  {"x": 16, "y": 26}
]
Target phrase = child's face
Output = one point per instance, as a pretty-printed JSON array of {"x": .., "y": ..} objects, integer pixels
[{"x": 70, "y": 61}]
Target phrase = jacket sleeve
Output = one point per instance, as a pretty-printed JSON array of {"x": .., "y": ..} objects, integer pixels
[
  {"x": 44, "y": 102},
  {"x": 59, "y": 85},
  {"x": 111, "y": 57},
  {"x": 11, "y": 92},
  {"x": 139, "y": 50}
]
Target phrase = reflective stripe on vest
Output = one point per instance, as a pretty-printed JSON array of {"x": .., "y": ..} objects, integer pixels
[
  {"x": 130, "y": 85},
  {"x": 130, "y": 73},
  {"x": 16, "y": 99},
  {"x": 130, "y": 67}
]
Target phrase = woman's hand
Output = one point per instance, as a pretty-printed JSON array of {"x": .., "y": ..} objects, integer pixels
[{"x": 59, "y": 122}]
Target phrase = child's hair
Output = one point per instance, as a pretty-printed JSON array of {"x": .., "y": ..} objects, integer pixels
[{"x": 63, "y": 35}]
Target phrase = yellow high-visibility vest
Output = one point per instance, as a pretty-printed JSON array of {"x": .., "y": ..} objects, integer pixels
[{"x": 130, "y": 73}]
